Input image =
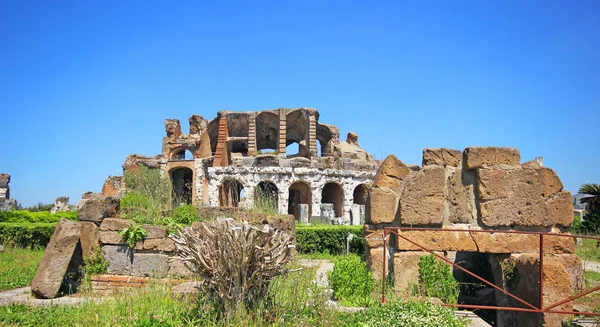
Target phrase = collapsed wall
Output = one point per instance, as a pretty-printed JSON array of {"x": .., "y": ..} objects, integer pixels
[
  {"x": 477, "y": 189},
  {"x": 6, "y": 203}
]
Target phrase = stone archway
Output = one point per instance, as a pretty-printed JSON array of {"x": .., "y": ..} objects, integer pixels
[
  {"x": 299, "y": 193},
  {"x": 361, "y": 194},
  {"x": 230, "y": 193},
  {"x": 333, "y": 193},
  {"x": 182, "y": 182},
  {"x": 266, "y": 197}
]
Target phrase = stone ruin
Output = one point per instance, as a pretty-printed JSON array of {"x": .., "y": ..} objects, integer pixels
[
  {"x": 60, "y": 204},
  {"x": 286, "y": 154},
  {"x": 6, "y": 203},
  {"x": 477, "y": 189}
]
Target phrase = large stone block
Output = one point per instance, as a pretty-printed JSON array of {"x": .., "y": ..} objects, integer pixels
[
  {"x": 561, "y": 206},
  {"x": 422, "y": 202},
  {"x": 111, "y": 237},
  {"x": 55, "y": 261},
  {"x": 150, "y": 265},
  {"x": 357, "y": 214},
  {"x": 303, "y": 213},
  {"x": 120, "y": 258},
  {"x": 461, "y": 197},
  {"x": 406, "y": 271},
  {"x": 436, "y": 241},
  {"x": 97, "y": 208},
  {"x": 522, "y": 243},
  {"x": 383, "y": 205},
  {"x": 479, "y": 157},
  {"x": 517, "y": 196},
  {"x": 90, "y": 239},
  {"x": 442, "y": 157},
  {"x": 391, "y": 173},
  {"x": 154, "y": 231},
  {"x": 373, "y": 235},
  {"x": 156, "y": 244},
  {"x": 376, "y": 262},
  {"x": 115, "y": 224}
]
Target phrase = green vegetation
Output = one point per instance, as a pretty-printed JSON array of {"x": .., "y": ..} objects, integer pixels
[
  {"x": 436, "y": 279},
  {"x": 18, "y": 267},
  {"x": 185, "y": 215},
  {"x": 40, "y": 207},
  {"x": 265, "y": 203},
  {"x": 588, "y": 250},
  {"x": 329, "y": 239},
  {"x": 133, "y": 234},
  {"x": 26, "y": 234},
  {"x": 591, "y": 222},
  {"x": 24, "y": 216},
  {"x": 148, "y": 196},
  {"x": 352, "y": 281}
]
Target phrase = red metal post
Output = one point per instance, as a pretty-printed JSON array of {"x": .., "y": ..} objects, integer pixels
[
  {"x": 384, "y": 264},
  {"x": 541, "y": 271}
]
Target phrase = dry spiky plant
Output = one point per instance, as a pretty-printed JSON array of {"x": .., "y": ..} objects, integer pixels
[{"x": 234, "y": 260}]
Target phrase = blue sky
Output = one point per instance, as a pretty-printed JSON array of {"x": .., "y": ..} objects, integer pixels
[{"x": 83, "y": 84}]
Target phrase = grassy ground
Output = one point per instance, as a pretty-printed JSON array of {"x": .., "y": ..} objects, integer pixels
[
  {"x": 588, "y": 250},
  {"x": 18, "y": 267}
]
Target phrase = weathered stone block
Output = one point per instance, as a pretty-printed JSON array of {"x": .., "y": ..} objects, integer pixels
[
  {"x": 328, "y": 211},
  {"x": 154, "y": 231},
  {"x": 479, "y": 157},
  {"x": 120, "y": 258},
  {"x": 461, "y": 197},
  {"x": 150, "y": 265},
  {"x": 265, "y": 160},
  {"x": 111, "y": 237},
  {"x": 391, "y": 173},
  {"x": 357, "y": 214},
  {"x": 90, "y": 239},
  {"x": 156, "y": 244},
  {"x": 178, "y": 269},
  {"x": 55, "y": 261},
  {"x": 98, "y": 208},
  {"x": 406, "y": 271},
  {"x": 422, "y": 202},
  {"x": 436, "y": 241},
  {"x": 115, "y": 224},
  {"x": 561, "y": 206},
  {"x": 112, "y": 185},
  {"x": 383, "y": 205},
  {"x": 376, "y": 262},
  {"x": 303, "y": 213},
  {"x": 521, "y": 243},
  {"x": 442, "y": 157},
  {"x": 374, "y": 236}
]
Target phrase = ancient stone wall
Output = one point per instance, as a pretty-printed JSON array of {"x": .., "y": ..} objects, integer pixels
[
  {"x": 480, "y": 188},
  {"x": 6, "y": 203}
]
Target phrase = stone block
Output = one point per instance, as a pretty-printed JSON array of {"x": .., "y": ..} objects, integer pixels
[
  {"x": 461, "y": 197},
  {"x": 357, "y": 214},
  {"x": 442, "y": 157},
  {"x": 111, "y": 237},
  {"x": 156, "y": 244},
  {"x": 178, "y": 269},
  {"x": 266, "y": 160},
  {"x": 436, "y": 241},
  {"x": 120, "y": 258},
  {"x": 56, "y": 259},
  {"x": 406, "y": 272},
  {"x": 517, "y": 196},
  {"x": 115, "y": 224},
  {"x": 391, "y": 173},
  {"x": 480, "y": 157},
  {"x": 150, "y": 265},
  {"x": 90, "y": 239},
  {"x": 303, "y": 213},
  {"x": 328, "y": 212},
  {"x": 383, "y": 205},
  {"x": 422, "y": 202},
  {"x": 373, "y": 235},
  {"x": 376, "y": 262},
  {"x": 561, "y": 206},
  {"x": 98, "y": 208},
  {"x": 522, "y": 243},
  {"x": 155, "y": 231}
]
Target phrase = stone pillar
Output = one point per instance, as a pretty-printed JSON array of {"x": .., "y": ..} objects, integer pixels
[
  {"x": 312, "y": 137},
  {"x": 252, "y": 134},
  {"x": 328, "y": 212},
  {"x": 282, "y": 132},
  {"x": 303, "y": 213},
  {"x": 357, "y": 214},
  {"x": 221, "y": 155}
]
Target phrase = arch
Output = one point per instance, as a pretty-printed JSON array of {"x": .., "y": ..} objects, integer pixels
[
  {"x": 297, "y": 123},
  {"x": 182, "y": 181},
  {"x": 231, "y": 193},
  {"x": 361, "y": 193},
  {"x": 333, "y": 193},
  {"x": 181, "y": 153},
  {"x": 266, "y": 197},
  {"x": 267, "y": 130},
  {"x": 299, "y": 193},
  {"x": 238, "y": 124}
]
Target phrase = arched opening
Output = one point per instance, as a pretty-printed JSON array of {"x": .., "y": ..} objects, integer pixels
[
  {"x": 267, "y": 131},
  {"x": 332, "y": 193},
  {"x": 361, "y": 193},
  {"x": 297, "y": 133},
  {"x": 299, "y": 193},
  {"x": 231, "y": 193},
  {"x": 182, "y": 154},
  {"x": 182, "y": 181},
  {"x": 266, "y": 197}
]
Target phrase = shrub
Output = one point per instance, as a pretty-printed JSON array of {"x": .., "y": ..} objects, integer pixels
[
  {"x": 133, "y": 234},
  {"x": 591, "y": 223},
  {"x": 26, "y": 234},
  {"x": 185, "y": 215},
  {"x": 329, "y": 239},
  {"x": 148, "y": 196},
  {"x": 25, "y": 216},
  {"x": 40, "y": 207},
  {"x": 436, "y": 279},
  {"x": 352, "y": 281},
  {"x": 265, "y": 203}
]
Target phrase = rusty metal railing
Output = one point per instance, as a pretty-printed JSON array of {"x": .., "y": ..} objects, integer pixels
[{"x": 531, "y": 308}]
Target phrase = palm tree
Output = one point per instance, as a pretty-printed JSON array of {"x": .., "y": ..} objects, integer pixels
[{"x": 592, "y": 200}]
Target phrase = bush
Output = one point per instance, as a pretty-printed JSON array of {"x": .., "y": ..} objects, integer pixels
[
  {"x": 436, "y": 279},
  {"x": 40, "y": 207},
  {"x": 329, "y": 239},
  {"x": 147, "y": 199},
  {"x": 591, "y": 223},
  {"x": 133, "y": 234},
  {"x": 185, "y": 215},
  {"x": 352, "y": 281},
  {"x": 25, "y": 216},
  {"x": 404, "y": 313},
  {"x": 26, "y": 234}
]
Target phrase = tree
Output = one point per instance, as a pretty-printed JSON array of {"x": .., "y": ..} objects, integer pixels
[{"x": 592, "y": 200}]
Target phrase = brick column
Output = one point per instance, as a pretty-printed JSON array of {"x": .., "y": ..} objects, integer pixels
[
  {"x": 282, "y": 131},
  {"x": 312, "y": 137},
  {"x": 252, "y": 134},
  {"x": 221, "y": 155}
]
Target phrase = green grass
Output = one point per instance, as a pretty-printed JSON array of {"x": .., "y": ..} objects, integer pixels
[
  {"x": 18, "y": 267},
  {"x": 588, "y": 250}
]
